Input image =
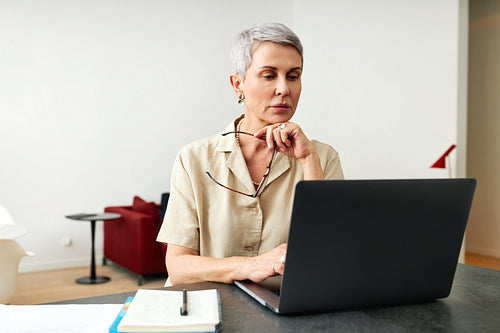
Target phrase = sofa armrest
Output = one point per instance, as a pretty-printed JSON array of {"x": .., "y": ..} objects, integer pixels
[{"x": 130, "y": 241}]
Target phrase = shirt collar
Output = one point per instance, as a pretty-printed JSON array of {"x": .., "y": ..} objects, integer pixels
[
  {"x": 236, "y": 162},
  {"x": 228, "y": 143}
]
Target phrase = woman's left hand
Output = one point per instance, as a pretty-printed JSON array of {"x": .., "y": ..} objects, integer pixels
[{"x": 289, "y": 140}]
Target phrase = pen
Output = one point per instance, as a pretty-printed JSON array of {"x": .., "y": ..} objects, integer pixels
[{"x": 184, "y": 307}]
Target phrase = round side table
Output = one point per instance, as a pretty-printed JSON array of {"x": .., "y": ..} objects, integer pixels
[{"x": 92, "y": 218}]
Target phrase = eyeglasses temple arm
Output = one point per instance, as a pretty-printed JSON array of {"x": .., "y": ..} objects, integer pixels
[
  {"x": 238, "y": 132},
  {"x": 228, "y": 188}
]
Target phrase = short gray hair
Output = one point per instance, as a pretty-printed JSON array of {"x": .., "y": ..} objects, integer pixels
[{"x": 248, "y": 40}]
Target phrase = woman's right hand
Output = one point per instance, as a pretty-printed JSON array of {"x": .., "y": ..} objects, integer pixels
[
  {"x": 185, "y": 266},
  {"x": 261, "y": 267}
]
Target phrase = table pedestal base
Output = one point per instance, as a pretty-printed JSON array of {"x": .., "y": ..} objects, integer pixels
[
  {"x": 92, "y": 218},
  {"x": 91, "y": 280}
]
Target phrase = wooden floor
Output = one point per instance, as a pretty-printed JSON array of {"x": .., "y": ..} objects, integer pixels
[
  {"x": 482, "y": 261},
  {"x": 58, "y": 285}
]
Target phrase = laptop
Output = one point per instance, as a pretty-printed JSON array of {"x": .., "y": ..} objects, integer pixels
[{"x": 363, "y": 243}]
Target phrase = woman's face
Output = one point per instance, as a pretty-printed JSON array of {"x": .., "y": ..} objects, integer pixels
[{"x": 272, "y": 84}]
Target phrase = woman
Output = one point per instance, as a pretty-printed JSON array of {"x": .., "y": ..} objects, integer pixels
[{"x": 225, "y": 221}]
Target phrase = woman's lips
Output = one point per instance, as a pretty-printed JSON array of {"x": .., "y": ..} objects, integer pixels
[{"x": 281, "y": 107}]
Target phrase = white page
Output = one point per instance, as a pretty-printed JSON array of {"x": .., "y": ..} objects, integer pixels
[
  {"x": 67, "y": 318},
  {"x": 162, "y": 308}
]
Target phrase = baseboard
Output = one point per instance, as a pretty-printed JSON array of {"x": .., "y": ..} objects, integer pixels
[
  {"x": 29, "y": 264},
  {"x": 484, "y": 251}
]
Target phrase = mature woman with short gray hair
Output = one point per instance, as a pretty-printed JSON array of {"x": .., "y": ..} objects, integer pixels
[{"x": 231, "y": 194}]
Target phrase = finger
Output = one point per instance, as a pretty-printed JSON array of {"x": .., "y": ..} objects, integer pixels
[
  {"x": 285, "y": 138},
  {"x": 274, "y": 268},
  {"x": 270, "y": 137},
  {"x": 282, "y": 259},
  {"x": 278, "y": 268},
  {"x": 261, "y": 134},
  {"x": 277, "y": 138}
]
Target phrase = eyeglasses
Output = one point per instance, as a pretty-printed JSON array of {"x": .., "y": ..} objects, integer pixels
[{"x": 261, "y": 184}]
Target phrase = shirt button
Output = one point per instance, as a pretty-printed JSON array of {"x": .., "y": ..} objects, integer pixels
[{"x": 249, "y": 248}]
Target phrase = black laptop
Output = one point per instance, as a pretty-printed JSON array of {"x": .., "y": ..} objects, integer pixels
[{"x": 363, "y": 243}]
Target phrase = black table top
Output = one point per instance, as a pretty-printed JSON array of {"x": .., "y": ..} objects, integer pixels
[
  {"x": 94, "y": 217},
  {"x": 473, "y": 306}
]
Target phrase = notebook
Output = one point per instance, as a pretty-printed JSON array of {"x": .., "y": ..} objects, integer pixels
[
  {"x": 162, "y": 311},
  {"x": 363, "y": 243}
]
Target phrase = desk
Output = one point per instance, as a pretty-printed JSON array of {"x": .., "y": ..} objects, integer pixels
[
  {"x": 473, "y": 306},
  {"x": 92, "y": 218}
]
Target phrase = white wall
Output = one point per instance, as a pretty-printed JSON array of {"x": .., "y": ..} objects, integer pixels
[
  {"x": 382, "y": 77},
  {"x": 96, "y": 97},
  {"x": 483, "y": 161}
]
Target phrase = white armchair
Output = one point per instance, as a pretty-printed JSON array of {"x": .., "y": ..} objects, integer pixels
[{"x": 10, "y": 255}]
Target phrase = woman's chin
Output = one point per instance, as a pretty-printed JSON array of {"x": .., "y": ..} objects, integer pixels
[
  {"x": 280, "y": 115},
  {"x": 272, "y": 117}
]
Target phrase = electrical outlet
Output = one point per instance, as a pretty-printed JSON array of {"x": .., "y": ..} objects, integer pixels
[{"x": 66, "y": 241}]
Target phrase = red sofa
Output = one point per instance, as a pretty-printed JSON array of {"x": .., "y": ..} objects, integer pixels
[{"x": 130, "y": 241}]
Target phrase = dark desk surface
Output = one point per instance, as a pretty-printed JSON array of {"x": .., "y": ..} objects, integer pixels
[{"x": 473, "y": 306}]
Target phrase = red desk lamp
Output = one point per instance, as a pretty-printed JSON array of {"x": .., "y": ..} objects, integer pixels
[{"x": 441, "y": 162}]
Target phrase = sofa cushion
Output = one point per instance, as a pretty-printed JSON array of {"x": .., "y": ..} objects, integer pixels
[{"x": 150, "y": 208}]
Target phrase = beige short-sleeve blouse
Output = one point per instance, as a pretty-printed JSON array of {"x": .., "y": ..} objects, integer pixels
[{"x": 219, "y": 223}]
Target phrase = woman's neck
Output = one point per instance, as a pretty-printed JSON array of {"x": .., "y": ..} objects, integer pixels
[
  {"x": 251, "y": 124},
  {"x": 247, "y": 143}
]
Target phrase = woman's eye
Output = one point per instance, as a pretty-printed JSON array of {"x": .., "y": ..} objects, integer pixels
[{"x": 268, "y": 76}]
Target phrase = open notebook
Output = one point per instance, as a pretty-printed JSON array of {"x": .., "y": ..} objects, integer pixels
[{"x": 159, "y": 311}]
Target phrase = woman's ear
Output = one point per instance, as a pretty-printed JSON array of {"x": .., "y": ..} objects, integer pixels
[{"x": 237, "y": 83}]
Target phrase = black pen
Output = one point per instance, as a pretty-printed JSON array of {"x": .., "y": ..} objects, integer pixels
[{"x": 184, "y": 307}]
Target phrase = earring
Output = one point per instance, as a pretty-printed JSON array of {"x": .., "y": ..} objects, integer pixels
[{"x": 241, "y": 99}]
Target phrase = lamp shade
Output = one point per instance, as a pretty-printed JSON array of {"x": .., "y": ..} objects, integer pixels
[
  {"x": 5, "y": 217},
  {"x": 441, "y": 162},
  {"x": 8, "y": 227}
]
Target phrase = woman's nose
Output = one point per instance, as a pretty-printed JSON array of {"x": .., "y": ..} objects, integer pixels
[{"x": 282, "y": 86}]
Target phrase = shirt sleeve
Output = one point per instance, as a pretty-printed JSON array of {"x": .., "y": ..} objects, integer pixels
[
  {"x": 333, "y": 169},
  {"x": 180, "y": 224},
  {"x": 330, "y": 161}
]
